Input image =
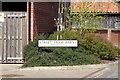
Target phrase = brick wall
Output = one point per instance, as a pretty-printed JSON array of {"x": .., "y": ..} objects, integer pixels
[
  {"x": 103, "y": 33},
  {"x": 42, "y": 17},
  {"x": 113, "y": 36}
]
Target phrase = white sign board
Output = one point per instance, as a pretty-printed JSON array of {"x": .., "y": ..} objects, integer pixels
[
  {"x": 1, "y": 17},
  {"x": 57, "y": 43}
]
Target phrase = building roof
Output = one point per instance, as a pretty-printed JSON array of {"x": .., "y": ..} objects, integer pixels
[{"x": 104, "y": 7}]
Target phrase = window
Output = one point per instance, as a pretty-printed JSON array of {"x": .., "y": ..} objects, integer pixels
[{"x": 117, "y": 24}]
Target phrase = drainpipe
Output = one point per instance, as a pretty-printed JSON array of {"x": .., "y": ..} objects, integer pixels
[
  {"x": 32, "y": 20},
  {"x": 60, "y": 15},
  {"x": 60, "y": 21},
  {"x": 28, "y": 22}
]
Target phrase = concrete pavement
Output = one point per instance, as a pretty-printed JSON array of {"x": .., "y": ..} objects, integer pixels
[
  {"x": 80, "y": 71},
  {"x": 110, "y": 72}
]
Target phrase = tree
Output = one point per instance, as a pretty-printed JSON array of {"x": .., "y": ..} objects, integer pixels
[{"x": 84, "y": 18}]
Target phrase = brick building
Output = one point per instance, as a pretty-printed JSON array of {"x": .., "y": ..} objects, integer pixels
[
  {"x": 40, "y": 16},
  {"x": 111, "y": 12}
]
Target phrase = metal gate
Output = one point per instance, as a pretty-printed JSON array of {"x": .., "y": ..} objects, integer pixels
[{"x": 13, "y": 37}]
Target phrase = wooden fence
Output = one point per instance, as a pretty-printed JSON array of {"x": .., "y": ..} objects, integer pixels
[{"x": 13, "y": 37}]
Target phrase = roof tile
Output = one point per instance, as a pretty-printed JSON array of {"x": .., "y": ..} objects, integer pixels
[{"x": 110, "y": 7}]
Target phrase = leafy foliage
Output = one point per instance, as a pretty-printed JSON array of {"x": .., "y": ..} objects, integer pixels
[
  {"x": 90, "y": 43},
  {"x": 91, "y": 49},
  {"x": 61, "y": 57},
  {"x": 98, "y": 46},
  {"x": 82, "y": 17}
]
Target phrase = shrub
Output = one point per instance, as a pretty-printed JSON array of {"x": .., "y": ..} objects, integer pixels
[
  {"x": 89, "y": 43},
  {"x": 98, "y": 46},
  {"x": 91, "y": 49},
  {"x": 32, "y": 48},
  {"x": 61, "y": 57}
]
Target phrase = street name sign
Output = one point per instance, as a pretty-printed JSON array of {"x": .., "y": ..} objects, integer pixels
[{"x": 57, "y": 43}]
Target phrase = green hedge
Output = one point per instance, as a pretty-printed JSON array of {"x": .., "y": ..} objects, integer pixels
[
  {"x": 98, "y": 46},
  {"x": 60, "y": 57},
  {"x": 90, "y": 43},
  {"x": 91, "y": 49}
]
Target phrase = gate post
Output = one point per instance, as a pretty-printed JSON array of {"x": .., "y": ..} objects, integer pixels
[{"x": 2, "y": 25}]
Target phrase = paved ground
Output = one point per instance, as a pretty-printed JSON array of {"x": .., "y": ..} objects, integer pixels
[
  {"x": 13, "y": 71},
  {"x": 50, "y": 73},
  {"x": 111, "y": 72}
]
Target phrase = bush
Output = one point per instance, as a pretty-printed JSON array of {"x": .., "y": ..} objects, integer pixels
[
  {"x": 89, "y": 44},
  {"x": 61, "y": 57},
  {"x": 91, "y": 49},
  {"x": 32, "y": 48},
  {"x": 98, "y": 46}
]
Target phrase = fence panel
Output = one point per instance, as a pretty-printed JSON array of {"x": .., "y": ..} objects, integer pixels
[{"x": 13, "y": 38}]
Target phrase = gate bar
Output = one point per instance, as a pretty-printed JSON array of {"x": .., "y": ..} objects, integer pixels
[
  {"x": 16, "y": 16},
  {"x": 11, "y": 31},
  {"x": 15, "y": 37},
  {"x": 2, "y": 42},
  {"x": 6, "y": 37},
  {"x": 19, "y": 32}
]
